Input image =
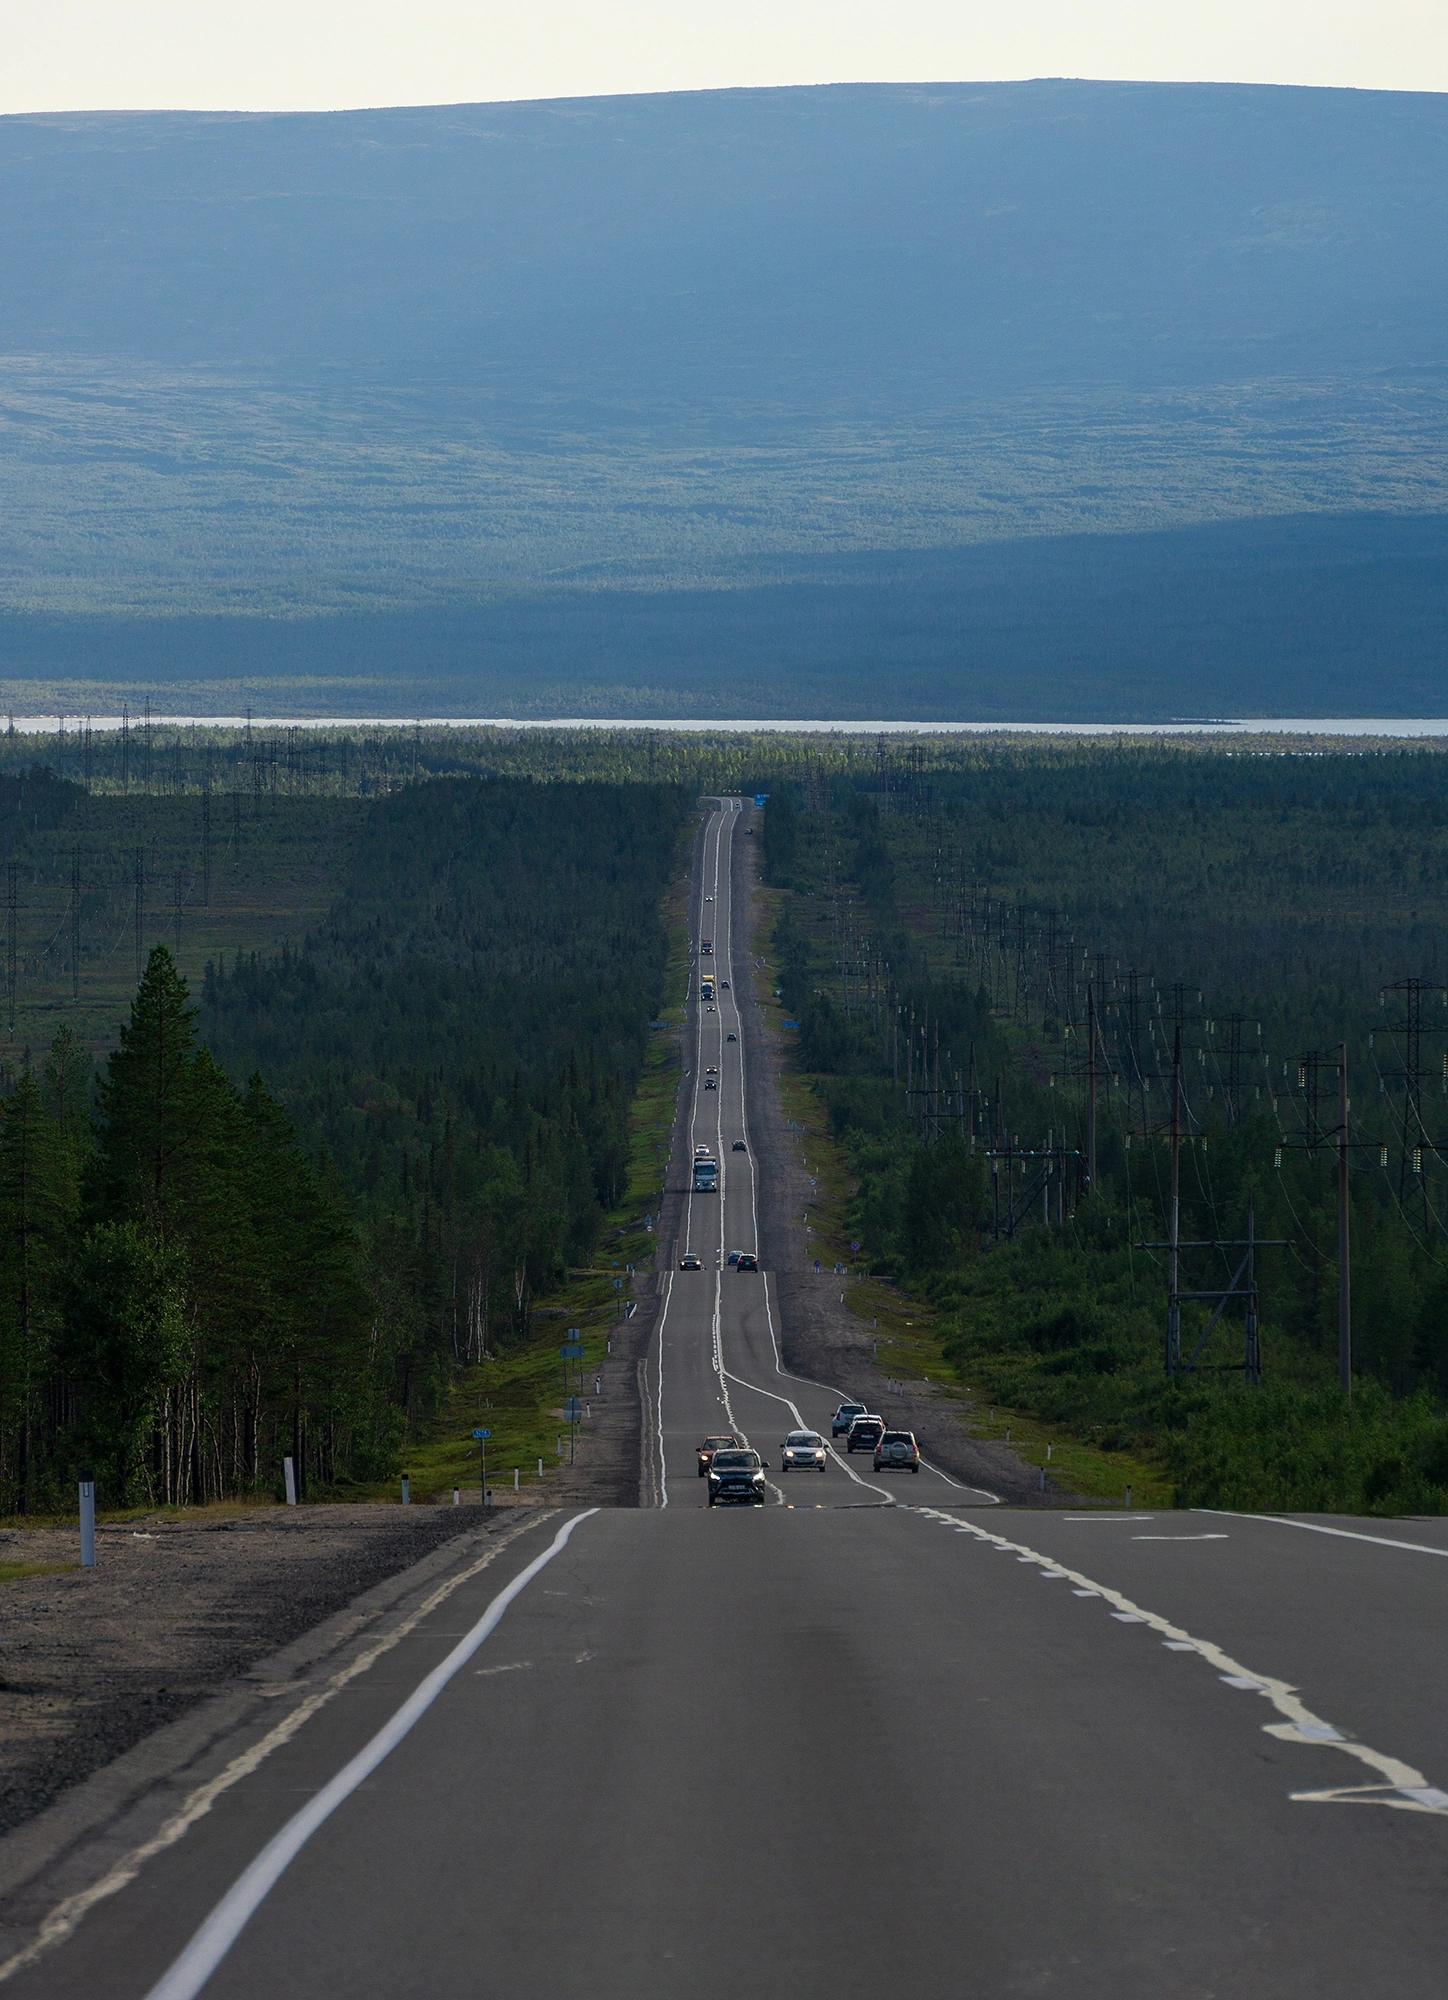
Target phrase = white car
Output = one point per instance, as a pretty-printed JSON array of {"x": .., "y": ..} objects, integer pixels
[{"x": 804, "y": 1451}]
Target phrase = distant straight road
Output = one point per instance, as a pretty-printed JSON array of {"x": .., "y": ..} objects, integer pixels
[{"x": 845, "y": 1743}]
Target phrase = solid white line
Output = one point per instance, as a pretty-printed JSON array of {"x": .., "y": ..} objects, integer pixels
[
  {"x": 659, "y": 1398},
  {"x": 63, "y": 1919},
  {"x": 222, "y": 1928},
  {"x": 1316, "y": 1528},
  {"x": 1402, "y": 1786}
]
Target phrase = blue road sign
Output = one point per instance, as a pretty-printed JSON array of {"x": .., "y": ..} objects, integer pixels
[
  {"x": 572, "y": 1350},
  {"x": 482, "y": 1434},
  {"x": 761, "y": 798}
]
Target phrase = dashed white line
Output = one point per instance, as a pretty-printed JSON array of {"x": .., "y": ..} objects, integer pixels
[{"x": 1399, "y": 1785}]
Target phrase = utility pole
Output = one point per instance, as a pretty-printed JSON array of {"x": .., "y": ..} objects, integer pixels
[
  {"x": 1091, "y": 1087},
  {"x": 1344, "y": 1268},
  {"x": 1174, "y": 1310},
  {"x": 75, "y": 925},
  {"x": 11, "y": 872},
  {"x": 140, "y": 906}
]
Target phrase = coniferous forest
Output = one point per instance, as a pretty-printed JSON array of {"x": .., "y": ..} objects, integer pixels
[
  {"x": 277, "y": 1216},
  {"x": 273, "y": 1181},
  {"x": 964, "y": 948}
]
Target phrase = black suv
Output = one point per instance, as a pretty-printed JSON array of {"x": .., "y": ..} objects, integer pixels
[
  {"x": 736, "y": 1475},
  {"x": 865, "y": 1433}
]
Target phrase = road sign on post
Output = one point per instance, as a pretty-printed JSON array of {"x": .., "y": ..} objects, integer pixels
[
  {"x": 482, "y": 1438},
  {"x": 572, "y": 1350}
]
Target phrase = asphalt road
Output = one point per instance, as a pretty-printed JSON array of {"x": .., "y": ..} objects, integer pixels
[{"x": 839, "y": 1744}]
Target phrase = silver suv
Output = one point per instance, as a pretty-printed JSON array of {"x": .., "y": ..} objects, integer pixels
[{"x": 844, "y": 1416}]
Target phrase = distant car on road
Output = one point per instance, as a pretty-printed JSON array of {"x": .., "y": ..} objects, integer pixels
[
  {"x": 708, "y": 1448},
  {"x": 736, "y": 1475},
  {"x": 897, "y": 1451},
  {"x": 746, "y": 1262},
  {"x": 865, "y": 1433},
  {"x": 844, "y": 1416},
  {"x": 724, "y": 985},
  {"x": 712, "y": 1070},
  {"x": 731, "y": 1036},
  {"x": 740, "y": 1147},
  {"x": 804, "y": 1451},
  {"x": 711, "y": 1083},
  {"x": 690, "y": 1263}
]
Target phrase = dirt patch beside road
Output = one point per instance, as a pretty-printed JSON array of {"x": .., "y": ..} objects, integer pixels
[{"x": 94, "y": 1660}]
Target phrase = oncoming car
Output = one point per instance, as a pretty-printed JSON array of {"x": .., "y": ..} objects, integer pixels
[
  {"x": 690, "y": 1263},
  {"x": 710, "y": 1445},
  {"x": 736, "y": 1475},
  {"x": 897, "y": 1451},
  {"x": 804, "y": 1451}
]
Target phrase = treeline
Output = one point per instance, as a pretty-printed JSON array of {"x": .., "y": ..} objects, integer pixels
[
  {"x": 204, "y": 1273},
  {"x": 462, "y": 1042},
  {"x": 182, "y": 1303},
  {"x": 941, "y": 1028}
]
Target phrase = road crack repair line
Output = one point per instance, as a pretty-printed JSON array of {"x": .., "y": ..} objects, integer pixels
[{"x": 1400, "y": 1785}]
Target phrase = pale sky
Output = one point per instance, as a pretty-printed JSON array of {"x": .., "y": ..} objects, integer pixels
[{"x": 286, "y": 55}]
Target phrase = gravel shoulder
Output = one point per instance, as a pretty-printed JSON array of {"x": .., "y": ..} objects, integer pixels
[{"x": 95, "y": 1660}]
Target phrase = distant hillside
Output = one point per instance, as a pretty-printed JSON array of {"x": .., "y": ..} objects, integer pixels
[{"x": 422, "y": 371}]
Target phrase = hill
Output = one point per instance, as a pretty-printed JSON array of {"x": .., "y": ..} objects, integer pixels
[{"x": 491, "y": 400}]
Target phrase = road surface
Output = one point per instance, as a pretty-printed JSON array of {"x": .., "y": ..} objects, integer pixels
[{"x": 841, "y": 1744}]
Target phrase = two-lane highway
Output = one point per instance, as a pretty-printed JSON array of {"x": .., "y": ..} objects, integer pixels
[{"x": 876, "y": 1734}]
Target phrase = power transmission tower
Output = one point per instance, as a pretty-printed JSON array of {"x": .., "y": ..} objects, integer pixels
[
  {"x": 140, "y": 907},
  {"x": 11, "y": 872},
  {"x": 1416, "y": 1141},
  {"x": 75, "y": 925}
]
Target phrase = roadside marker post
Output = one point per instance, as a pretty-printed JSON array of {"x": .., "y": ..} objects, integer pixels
[
  {"x": 88, "y": 1521},
  {"x": 457, "y": 1498},
  {"x": 289, "y": 1472},
  {"x": 515, "y": 1478},
  {"x": 406, "y": 1490},
  {"x": 482, "y": 1438}
]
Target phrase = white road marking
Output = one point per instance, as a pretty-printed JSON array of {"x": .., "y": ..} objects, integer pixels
[
  {"x": 1400, "y": 1785},
  {"x": 1108, "y": 1517},
  {"x": 221, "y": 1929},
  {"x": 1181, "y": 1538},
  {"x": 63, "y": 1919},
  {"x": 1317, "y": 1528}
]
